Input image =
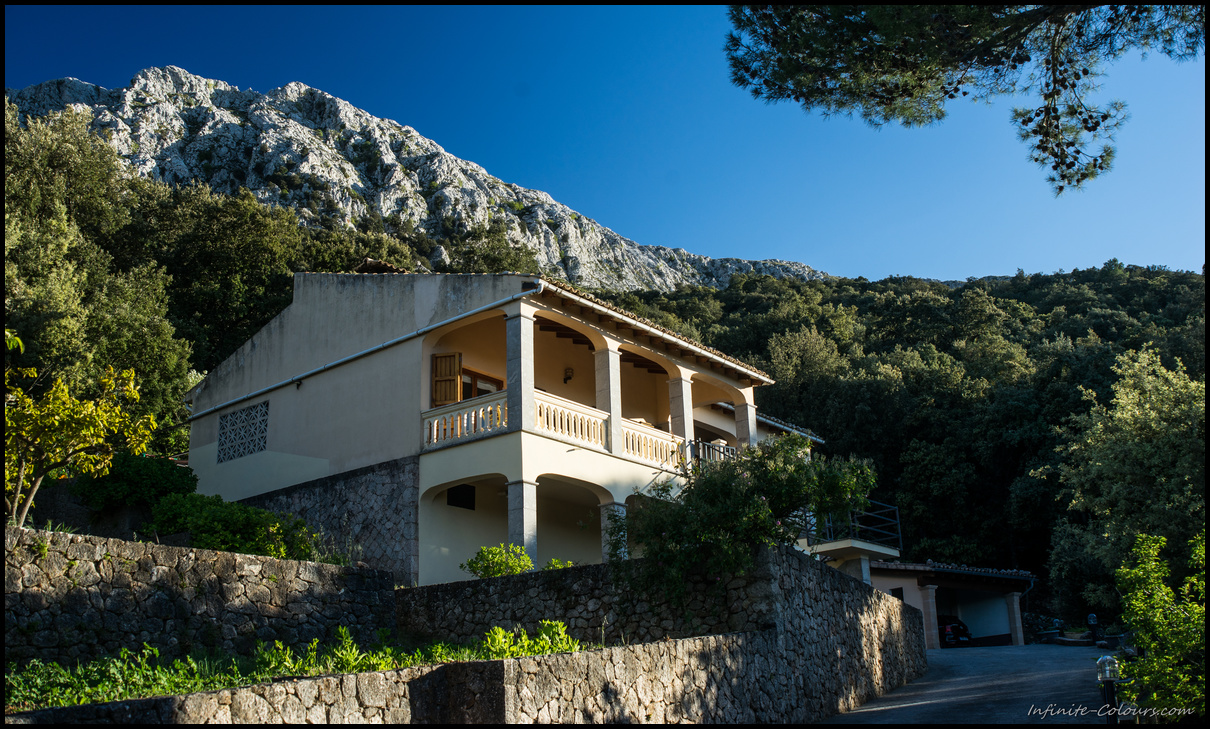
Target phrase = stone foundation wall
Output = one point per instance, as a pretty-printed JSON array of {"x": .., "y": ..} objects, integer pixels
[
  {"x": 71, "y": 596},
  {"x": 373, "y": 508}
]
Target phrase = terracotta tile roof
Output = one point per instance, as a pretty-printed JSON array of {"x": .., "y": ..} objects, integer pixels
[
  {"x": 776, "y": 422},
  {"x": 931, "y": 566},
  {"x": 672, "y": 334},
  {"x": 373, "y": 267}
]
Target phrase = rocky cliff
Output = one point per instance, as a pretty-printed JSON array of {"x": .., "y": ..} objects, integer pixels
[{"x": 299, "y": 146}]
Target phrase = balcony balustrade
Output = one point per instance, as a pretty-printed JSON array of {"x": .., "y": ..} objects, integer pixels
[
  {"x": 570, "y": 422},
  {"x": 463, "y": 420},
  {"x": 644, "y": 443}
]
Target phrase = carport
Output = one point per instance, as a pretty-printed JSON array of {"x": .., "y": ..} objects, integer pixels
[{"x": 987, "y": 600}]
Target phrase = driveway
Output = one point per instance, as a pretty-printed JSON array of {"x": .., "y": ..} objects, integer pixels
[{"x": 996, "y": 685}]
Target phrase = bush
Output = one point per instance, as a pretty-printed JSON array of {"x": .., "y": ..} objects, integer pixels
[
  {"x": 1171, "y": 631},
  {"x": 761, "y": 498},
  {"x": 552, "y": 638},
  {"x": 133, "y": 676},
  {"x": 233, "y": 527},
  {"x": 135, "y": 481},
  {"x": 498, "y": 562}
]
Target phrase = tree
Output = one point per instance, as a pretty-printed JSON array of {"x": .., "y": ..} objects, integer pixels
[
  {"x": 1171, "y": 674},
  {"x": 1135, "y": 467},
  {"x": 65, "y": 194},
  {"x": 61, "y": 433},
  {"x": 767, "y": 495},
  {"x": 904, "y": 62}
]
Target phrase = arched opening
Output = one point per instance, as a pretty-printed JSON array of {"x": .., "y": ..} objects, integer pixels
[
  {"x": 564, "y": 364},
  {"x": 644, "y": 389},
  {"x": 569, "y": 520},
  {"x": 455, "y": 520},
  {"x": 467, "y": 361}
]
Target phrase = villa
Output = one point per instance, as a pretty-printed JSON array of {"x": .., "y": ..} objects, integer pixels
[{"x": 427, "y": 415}]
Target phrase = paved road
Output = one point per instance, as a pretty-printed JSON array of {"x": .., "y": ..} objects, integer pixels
[{"x": 997, "y": 685}]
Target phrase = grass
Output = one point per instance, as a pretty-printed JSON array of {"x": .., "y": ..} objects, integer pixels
[{"x": 143, "y": 675}]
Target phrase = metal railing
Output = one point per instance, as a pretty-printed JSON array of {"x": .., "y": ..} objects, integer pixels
[
  {"x": 878, "y": 524},
  {"x": 712, "y": 452}
]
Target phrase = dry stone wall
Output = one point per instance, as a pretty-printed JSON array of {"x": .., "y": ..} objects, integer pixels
[
  {"x": 733, "y": 678},
  {"x": 806, "y": 641},
  {"x": 465, "y": 693},
  {"x": 371, "y": 509},
  {"x": 71, "y": 596},
  {"x": 793, "y": 641},
  {"x": 591, "y": 601}
]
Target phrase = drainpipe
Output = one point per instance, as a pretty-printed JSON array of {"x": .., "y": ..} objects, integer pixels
[{"x": 539, "y": 284}]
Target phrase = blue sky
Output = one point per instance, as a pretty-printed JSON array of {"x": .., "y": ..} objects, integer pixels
[{"x": 627, "y": 115}]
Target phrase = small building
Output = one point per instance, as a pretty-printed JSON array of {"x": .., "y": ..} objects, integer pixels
[
  {"x": 427, "y": 415},
  {"x": 988, "y": 601}
]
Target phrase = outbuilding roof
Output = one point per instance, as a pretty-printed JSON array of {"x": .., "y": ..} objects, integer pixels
[{"x": 931, "y": 566}]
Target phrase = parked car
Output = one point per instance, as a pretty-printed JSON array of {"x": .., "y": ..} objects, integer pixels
[{"x": 953, "y": 631}]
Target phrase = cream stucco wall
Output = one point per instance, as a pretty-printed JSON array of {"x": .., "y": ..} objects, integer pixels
[
  {"x": 552, "y": 356},
  {"x": 360, "y": 413},
  {"x": 911, "y": 592}
]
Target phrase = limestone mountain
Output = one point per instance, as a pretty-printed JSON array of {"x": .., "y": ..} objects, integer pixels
[{"x": 301, "y": 147}]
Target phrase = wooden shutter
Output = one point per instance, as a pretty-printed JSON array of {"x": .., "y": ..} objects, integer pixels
[{"x": 447, "y": 378}]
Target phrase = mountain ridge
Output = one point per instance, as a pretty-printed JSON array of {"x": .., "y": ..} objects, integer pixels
[{"x": 301, "y": 147}]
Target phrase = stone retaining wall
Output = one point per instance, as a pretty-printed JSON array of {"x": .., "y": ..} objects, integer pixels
[
  {"x": 733, "y": 678},
  {"x": 800, "y": 641},
  {"x": 71, "y": 596},
  {"x": 453, "y": 693},
  {"x": 590, "y": 601},
  {"x": 373, "y": 508},
  {"x": 830, "y": 641}
]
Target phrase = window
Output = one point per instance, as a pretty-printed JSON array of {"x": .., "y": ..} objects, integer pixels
[
  {"x": 453, "y": 383},
  {"x": 475, "y": 384},
  {"x": 461, "y": 496},
  {"x": 897, "y": 592},
  {"x": 243, "y": 432}
]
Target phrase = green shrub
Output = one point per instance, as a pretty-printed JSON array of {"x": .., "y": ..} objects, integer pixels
[
  {"x": 498, "y": 562},
  {"x": 557, "y": 564},
  {"x": 714, "y": 524},
  {"x": 1170, "y": 630},
  {"x": 552, "y": 638},
  {"x": 135, "y": 481},
  {"x": 134, "y": 676},
  {"x": 233, "y": 527}
]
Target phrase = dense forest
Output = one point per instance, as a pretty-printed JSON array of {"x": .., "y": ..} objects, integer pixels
[{"x": 1038, "y": 422}]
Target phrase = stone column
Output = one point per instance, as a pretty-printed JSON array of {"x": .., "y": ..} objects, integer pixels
[
  {"x": 928, "y": 597},
  {"x": 519, "y": 333},
  {"x": 1012, "y": 602},
  {"x": 523, "y": 517},
  {"x": 680, "y": 406},
  {"x": 609, "y": 393},
  {"x": 608, "y": 511},
  {"x": 857, "y": 567},
  {"x": 745, "y": 424}
]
